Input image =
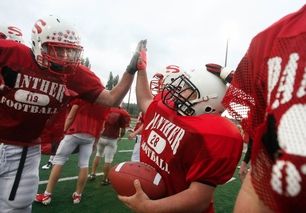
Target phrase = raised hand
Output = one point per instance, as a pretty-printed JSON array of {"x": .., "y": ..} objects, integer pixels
[
  {"x": 222, "y": 72},
  {"x": 139, "y": 59}
]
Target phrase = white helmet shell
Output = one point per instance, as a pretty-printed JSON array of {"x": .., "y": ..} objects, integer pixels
[
  {"x": 53, "y": 30},
  {"x": 205, "y": 90},
  {"x": 160, "y": 79},
  {"x": 11, "y": 33}
]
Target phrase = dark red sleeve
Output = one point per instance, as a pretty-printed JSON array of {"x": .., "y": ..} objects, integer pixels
[{"x": 85, "y": 83}]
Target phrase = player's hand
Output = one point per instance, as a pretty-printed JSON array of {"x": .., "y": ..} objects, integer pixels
[
  {"x": 222, "y": 72},
  {"x": 139, "y": 59},
  {"x": 3, "y": 88},
  {"x": 136, "y": 201},
  {"x": 214, "y": 68},
  {"x": 131, "y": 136}
]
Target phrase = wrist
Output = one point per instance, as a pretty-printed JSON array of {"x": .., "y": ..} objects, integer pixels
[{"x": 129, "y": 72}]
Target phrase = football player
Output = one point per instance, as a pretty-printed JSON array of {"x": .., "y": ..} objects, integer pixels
[
  {"x": 11, "y": 33},
  {"x": 83, "y": 126},
  {"x": 187, "y": 141},
  {"x": 136, "y": 134},
  {"x": 269, "y": 82},
  {"x": 53, "y": 134},
  {"x": 35, "y": 88},
  {"x": 116, "y": 121}
]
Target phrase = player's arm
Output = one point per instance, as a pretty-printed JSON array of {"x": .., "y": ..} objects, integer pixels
[
  {"x": 115, "y": 96},
  {"x": 196, "y": 198},
  {"x": 122, "y": 132},
  {"x": 143, "y": 92},
  {"x": 136, "y": 132},
  {"x": 70, "y": 117},
  {"x": 247, "y": 196}
]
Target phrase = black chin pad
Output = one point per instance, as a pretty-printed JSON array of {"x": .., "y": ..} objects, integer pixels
[{"x": 56, "y": 67}]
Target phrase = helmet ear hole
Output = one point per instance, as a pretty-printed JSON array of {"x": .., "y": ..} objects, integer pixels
[{"x": 209, "y": 109}]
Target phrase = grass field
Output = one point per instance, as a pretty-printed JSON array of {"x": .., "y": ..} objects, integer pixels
[{"x": 103, "y": 199}]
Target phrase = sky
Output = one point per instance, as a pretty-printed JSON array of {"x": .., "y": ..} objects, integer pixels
[{"x": 187, "y": 33}]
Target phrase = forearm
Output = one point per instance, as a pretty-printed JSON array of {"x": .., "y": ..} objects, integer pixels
[
  {"x": 68, "y": 123},
  {"x": 70, "y": 117},
  {"x": 197, "y": 198},
  {"x": 143, "y": 92},
  {"x": 190, "y": 200},
  {"x": 122, "y": 132},
  {"x": 115, "y": 96},
  {"x": 137, "y": 131}
]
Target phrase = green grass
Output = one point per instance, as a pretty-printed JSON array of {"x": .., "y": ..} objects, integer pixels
[{"x": 97, "y": 198}]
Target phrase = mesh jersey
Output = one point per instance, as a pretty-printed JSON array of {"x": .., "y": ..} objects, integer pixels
[
  {"x": 117, "y": 118},
  {"x": 31, "y": 95},
  {"x": 185, "y": 149},
  {"x": 270, "y": 83},
  {"x": 89, "y": 118}
]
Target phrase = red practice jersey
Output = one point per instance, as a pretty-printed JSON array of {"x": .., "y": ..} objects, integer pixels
[
  {"x": 187, "y": 149},
  {"x": 32, "y": 95},
  {"x": 117, "y": 118},
  {"x": 89, "y": 118},
  {"x": 270, "y": 83},
  {"x": 53, "y": 132}
]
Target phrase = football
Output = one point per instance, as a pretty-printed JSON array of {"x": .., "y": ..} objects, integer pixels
[{"x": 122, "y": 178}]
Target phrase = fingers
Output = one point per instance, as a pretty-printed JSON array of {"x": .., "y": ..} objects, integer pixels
[
  {"x": 142, "y": 44},
  {"x": 139, "y": 46},
  {"x": 139, "y": 59},
  {"x": 138, "y": 188},
  {"x": 124, "y": 200}
]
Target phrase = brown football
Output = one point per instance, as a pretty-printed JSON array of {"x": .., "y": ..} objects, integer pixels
[{"x": 122, "y": 178}]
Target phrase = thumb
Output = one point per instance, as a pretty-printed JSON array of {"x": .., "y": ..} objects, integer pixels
[{"x": 137, "y": 186}]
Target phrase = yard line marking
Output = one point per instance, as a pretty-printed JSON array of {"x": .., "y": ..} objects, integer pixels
[
  {"x": 126, "y": 150},
  {"x": 66, "y": 179},
  {"x": 230, "y": 180},
  {"x": 98, "y": 174}
]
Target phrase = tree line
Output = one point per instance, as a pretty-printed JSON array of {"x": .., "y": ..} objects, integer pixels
[{"x": 132, "y": 108}]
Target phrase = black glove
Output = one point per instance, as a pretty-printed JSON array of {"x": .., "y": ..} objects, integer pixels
[{"x": 132, "y": 67}]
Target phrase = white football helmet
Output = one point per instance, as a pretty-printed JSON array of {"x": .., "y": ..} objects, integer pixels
[
  {"x": 160, "y": 79},
  {"x": 56, "y": 45},
  {"x": 11, "y": 33},
  {"x": 195, "y": 93}
]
